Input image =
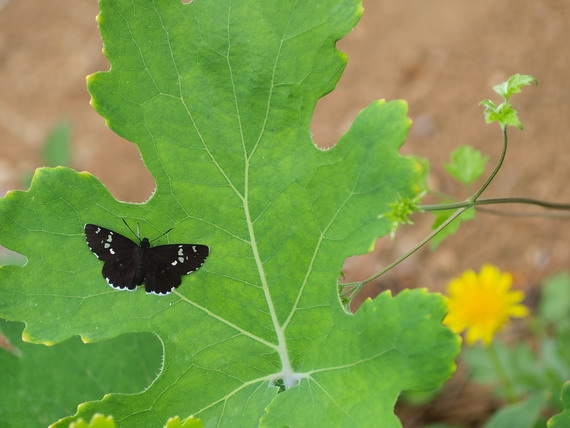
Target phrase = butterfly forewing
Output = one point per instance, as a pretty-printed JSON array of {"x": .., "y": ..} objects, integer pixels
[
  {"x": 118, "y": 253},
  {"x": 106, "y": 244},
  {"x": 166, "y": 264}
]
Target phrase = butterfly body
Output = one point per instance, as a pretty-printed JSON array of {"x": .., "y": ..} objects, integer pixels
[
  {"x": 128, "y": 264},
  {"x": 141, "y": 260}
]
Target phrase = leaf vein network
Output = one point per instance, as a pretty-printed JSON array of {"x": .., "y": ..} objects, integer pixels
[
  {"x": 313, "y": 258},
  {"x": 227, "y": 322},
  {"x": 233, "y": 392},
  {"x": 333, "y": 400}
]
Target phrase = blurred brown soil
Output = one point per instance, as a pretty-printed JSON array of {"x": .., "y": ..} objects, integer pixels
[{"x": 441, "y": 56}]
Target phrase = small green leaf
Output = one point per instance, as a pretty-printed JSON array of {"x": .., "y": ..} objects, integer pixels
[
  {"x": 505, "y": 114},
  {"x": 97, "y": 421},
  {"x": 56, "y": 150},
  {"x": 101, "y": 421},
  {"x": 529, "y": 371},
  {"x": 555, "y": 299},
  {"x": 57, "y": 146},
  {"x": 400, "y": 213},
  {"x": 405, "y": 206},
  {"x": 562, "y": 420},
  {"x": 513, "y": 85},
  {"x": 451, "y": 228},
  {"x": 467, "y": 164},
  {"x": 519, "y": 415},
  {"x": 489, "y": 104},
  {"x": 520, "y": 364},
  {"x": 190, "y": 422}
]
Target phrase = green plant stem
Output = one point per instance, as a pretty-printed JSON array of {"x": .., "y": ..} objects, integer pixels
[
  {"x": 501, "y": 373},
  {"x": 493, "y": 201},
  {"x": 526, "y": 214},
  {"x": 496, "y": 170},
  {"x": 354, "y": 287}
]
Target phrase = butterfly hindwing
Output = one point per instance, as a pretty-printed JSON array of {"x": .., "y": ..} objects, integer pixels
[
  {"x": 119, "y": 272},
  {"x": 161, "y": 280},
  {"x": 167, "y": 263}
]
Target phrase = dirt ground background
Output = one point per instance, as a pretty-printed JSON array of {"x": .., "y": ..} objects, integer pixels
[{"x": 441, "y": 56}]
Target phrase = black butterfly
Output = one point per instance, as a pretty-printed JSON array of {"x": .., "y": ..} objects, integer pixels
[{"x": 128, "y": 264}]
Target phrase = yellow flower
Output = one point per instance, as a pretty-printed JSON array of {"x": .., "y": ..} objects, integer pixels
[{"x": 482, "y": 303}]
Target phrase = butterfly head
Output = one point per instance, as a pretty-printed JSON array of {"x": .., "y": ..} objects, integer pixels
[{"x": 145, "y": 243}]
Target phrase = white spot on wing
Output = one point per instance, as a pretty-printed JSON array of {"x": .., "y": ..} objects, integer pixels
[
  {"x": 181, "y": 259},
  {"x": 98, "y": 230},
  {"x": 107, "y": 245},
  {"x": 194, "y": 248},
  {"x": 174, "y": 263}
]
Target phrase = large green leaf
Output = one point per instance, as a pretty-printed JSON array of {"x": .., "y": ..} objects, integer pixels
[
  {"x": 31, "y": 388},
  {"x": 218, "y": 96}
]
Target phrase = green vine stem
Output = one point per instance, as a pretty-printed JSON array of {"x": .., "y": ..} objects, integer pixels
[
  {"x": 525, "y": 214},
  {"x": 352, "y": 288},
  {"x": 501, "y": 373},
  {"x": 496, "y": 170},
  {"x": 493, "y": 201}
]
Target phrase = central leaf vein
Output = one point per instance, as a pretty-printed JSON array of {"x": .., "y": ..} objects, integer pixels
[{"x": 279, "y": 331}]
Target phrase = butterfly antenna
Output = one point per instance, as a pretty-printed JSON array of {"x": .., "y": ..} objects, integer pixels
[
  {"x": 132, "y": 231},
  {"x": 160, "y": 236}
]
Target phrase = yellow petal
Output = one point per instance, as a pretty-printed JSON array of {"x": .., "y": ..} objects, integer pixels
[
  {"x": 518, "y": 311},
  {"x": 482, "y": 303}
]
